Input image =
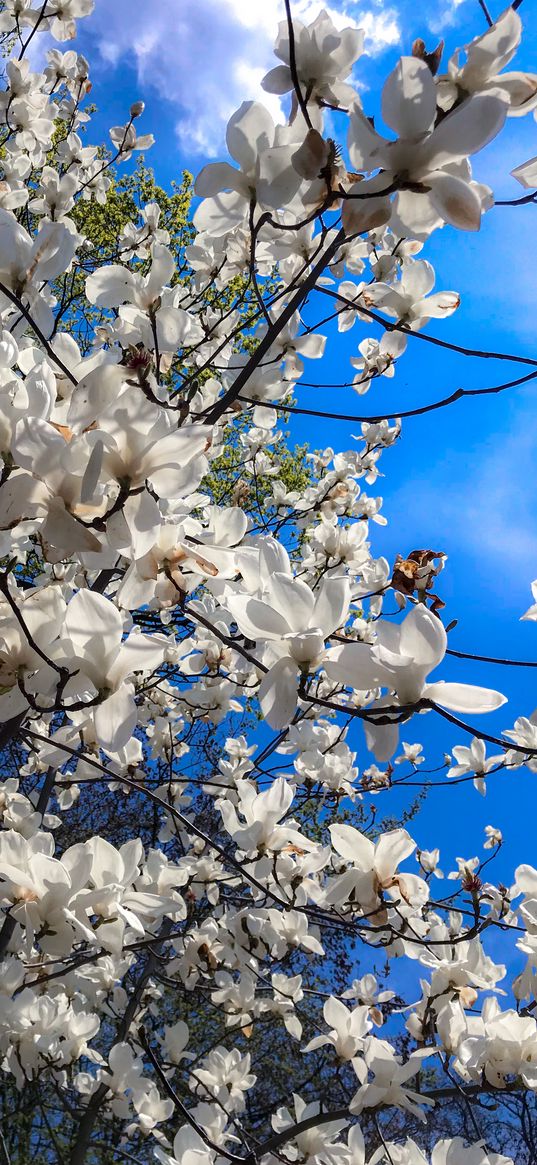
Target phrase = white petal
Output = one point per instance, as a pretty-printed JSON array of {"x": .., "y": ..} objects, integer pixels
[
  {"x": 62, "y": 533},
  {"x": 221, "y": 214},
  {"x": 278, "y": 181},
  {"x": 139, "y": 653},
  {"x": 278, "y": 693},
  {"x": 115, "y": 719},
  {"x": 409, "y": 98},
  {"x": 293, "y": 599},
  {"x": 526, "y": 880},
  {"x": 215, "y": 177},
  {"x": 110, "y": 286},
  {"x": 423, "y": 637},
  {"x": 354, "y": 664},
  {"x": 364, "y": 214},
  {"x": 381, "y": 740},
  {"x": 278, "y": 80},
  {"x": 456, "y": 201},
  {"x": 492, "y": 51},
  {"x": 331, "y": 604},
  {"x": 250, "y": 131},
  {"x": 93, "y": 624},
  {"x": 464, "y": 697},
  {"x": 468, "y": 129},
  {"x": 391, "y": 849},
  {"x": 352, "y": 845},
  {"x": 365, "y": 144},
  {"x": 439, "y": 306},
  {"x": 526, "y": 174},
  {"x": 418, "y": 278},
  {"x": 256, "y": 620}
]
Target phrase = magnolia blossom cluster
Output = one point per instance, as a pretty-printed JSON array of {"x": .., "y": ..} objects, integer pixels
[{"x": 167, "y": 577}]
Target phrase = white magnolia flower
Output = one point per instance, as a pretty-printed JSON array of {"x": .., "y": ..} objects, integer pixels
[
  {"x": 401, "y": 660},
  {"x": 494, "y": 837},
  {"x": 107, "y": 664},
  {"x": 266, "y": 174},
  {"x": 348, "y": 1029},
  {"x": 373, "y": 869},
  {"x": 294, "y": 622},
  {"x": 474, "y": 760},
  {"x": 390, "y": 1083},
  {"x": 409, "y": 299},
  {"x": 262, "y": 813},
  {"x": 425, "y": 155}
]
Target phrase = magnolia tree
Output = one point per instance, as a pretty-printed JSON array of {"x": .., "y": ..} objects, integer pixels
[{"x": 204, "y": 666}]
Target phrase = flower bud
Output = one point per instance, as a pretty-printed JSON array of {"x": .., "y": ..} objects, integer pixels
[{"x": 137, "y": 108}]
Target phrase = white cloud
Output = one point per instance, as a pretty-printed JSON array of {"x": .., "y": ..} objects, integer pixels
[
  {"x": 445, "y": 16},
  {"x": 207, "y": 56}
]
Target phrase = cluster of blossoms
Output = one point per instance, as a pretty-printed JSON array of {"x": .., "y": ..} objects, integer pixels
[{"x": 169, "y": 895}]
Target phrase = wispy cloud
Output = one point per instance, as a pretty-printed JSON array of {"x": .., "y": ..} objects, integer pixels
[
  {"x": 475, "y": 497},
  {"x": 207, "y": 57},
  {"x": 444, "y": 16}
]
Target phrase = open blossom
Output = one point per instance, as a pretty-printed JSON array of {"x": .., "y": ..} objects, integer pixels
[
  {"x": 391, "y": 1078},
  {"x": 315, "y": 1143},
  {"x": 474, "y": 760},
  {"x": 433, "y": 157},
  {"x": 372, "y": 869},
  {"x": 409, "y": 300},
  {"x": 262, "y": 813},
  {"x": 481, "y": 69},
  {"x": 401, "y": 659},
  {"x": 107, "y": 664},
  {"x": 348, "y": 1029},
  {"x": 324, "y": 57},
  {"x": 266, "y": 175},
  {"x": 293, "y": 622}
]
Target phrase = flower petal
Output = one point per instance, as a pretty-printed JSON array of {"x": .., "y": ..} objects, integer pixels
[
  {"x": 464, "y": 697},
  {"x": 409, "y": 98},
  {"x": 115, "y": 719},
  {"x": 456, "y": 201},
  {"x": 468, "y": 129},
  {"x": 423, "y": 637},
  {"x": 278, "y": 693}
]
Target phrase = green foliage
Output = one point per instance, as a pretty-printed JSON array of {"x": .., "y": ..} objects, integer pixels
[{"x": 101, "y": 225}]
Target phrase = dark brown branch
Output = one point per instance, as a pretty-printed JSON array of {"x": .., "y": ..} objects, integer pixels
[{"x": 293, "y": 66}]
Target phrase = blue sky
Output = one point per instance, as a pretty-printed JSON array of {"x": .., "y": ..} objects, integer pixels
[{"x": 461, "y": 480}]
